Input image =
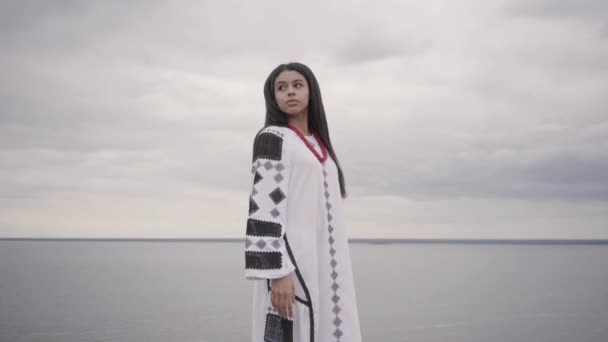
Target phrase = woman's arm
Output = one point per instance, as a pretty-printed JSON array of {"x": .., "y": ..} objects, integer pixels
[{"x": 266, "y": 255}]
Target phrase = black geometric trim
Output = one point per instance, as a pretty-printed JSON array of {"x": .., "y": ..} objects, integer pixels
[
  {"x": 287, "y": 326},
  {"x": 278, "y": 329},
  {"x": 267, "y": 145},
  {"x": 263, "y": 260},
  {"x": 302, "y": 301},
  {"x": 304, "y": 287},
  {"x": 253, "y": 207},
  {"x": 263, "y": 228},
  {"x": 258, "y": 177},
  {"x": 272, "y": 328}
]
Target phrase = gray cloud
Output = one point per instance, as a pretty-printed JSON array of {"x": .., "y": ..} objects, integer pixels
[
  {"x": 23, "y": 15},
  {"x": 157, "y": 101},
  {"x": 588, "y": 11},
  {"x": 61, "y": 26},
  {"x": 560, "y": 8},
  {"x": 604, "y": 30},
  {"x": 369, "y": 45}
]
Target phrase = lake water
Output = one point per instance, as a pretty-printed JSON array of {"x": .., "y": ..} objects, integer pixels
[{"x": 62, "y": 291}]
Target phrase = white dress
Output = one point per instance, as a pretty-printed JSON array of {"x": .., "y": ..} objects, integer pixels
[{"x": 295, "y": 227}]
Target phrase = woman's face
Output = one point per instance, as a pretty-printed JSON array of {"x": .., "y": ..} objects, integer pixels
[{"x": 291, "y": 92}]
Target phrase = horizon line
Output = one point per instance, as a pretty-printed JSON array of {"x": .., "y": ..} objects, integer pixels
[{"x": 350, "y": 240}]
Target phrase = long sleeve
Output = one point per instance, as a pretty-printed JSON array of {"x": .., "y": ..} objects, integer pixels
[{"x": 266, "y": 255}]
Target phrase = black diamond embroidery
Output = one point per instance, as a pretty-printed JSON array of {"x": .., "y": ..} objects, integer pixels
[
  {"x": 258, "y": 177},
  {"x": 261, "y": 244},
  {"x": 337, "y": 321},
  {"x": 277, "y": 195},
  {"x": 338, "y": 333},
  {"x": 276, "y": 244},
  {"x": 253, "y": 207},
  {"x": 275, "y": 212},
  {"x": 335, "y": 298}
]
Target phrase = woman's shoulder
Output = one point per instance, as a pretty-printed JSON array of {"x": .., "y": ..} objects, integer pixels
[
  {"x": 273, "y": 142},
  {"x": 277, "y": 130}
]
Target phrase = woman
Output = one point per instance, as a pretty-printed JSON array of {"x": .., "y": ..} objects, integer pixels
[{"x": 296, "y": 248}]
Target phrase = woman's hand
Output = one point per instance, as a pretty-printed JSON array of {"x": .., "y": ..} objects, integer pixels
[{"x": 283, "y": 295}]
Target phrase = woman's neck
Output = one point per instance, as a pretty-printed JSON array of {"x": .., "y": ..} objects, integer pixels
[{"x": 300, "y": 121}]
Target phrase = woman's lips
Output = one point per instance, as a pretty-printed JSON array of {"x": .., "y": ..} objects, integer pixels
[{"x": 292, "y": 101}]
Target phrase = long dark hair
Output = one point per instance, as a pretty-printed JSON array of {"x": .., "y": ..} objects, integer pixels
[{"x": 316, "y": 112}]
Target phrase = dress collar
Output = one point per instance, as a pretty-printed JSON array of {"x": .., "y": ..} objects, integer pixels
[{"x": 322, "y": 157}]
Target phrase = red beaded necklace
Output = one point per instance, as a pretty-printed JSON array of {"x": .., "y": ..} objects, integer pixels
[{"x": 323, "y": 150}]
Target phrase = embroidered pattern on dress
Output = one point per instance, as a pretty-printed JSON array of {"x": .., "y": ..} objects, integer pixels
[
  {"x": 267, "y": 145},
  {"x": 273, "y": 130},
  {"x": 253, "y": 207},
  {"x": 277, "y": 194},
  {"x": 272, "y": 330},
  {"x": 308, "y": 301},
  {"x": 332, "y": 251},
  {"x": 263, "y": 243},
  {"x": 277, "y": 328},
  {"x": 260, "y": 228},
  {"x": 263, "y": 260}
]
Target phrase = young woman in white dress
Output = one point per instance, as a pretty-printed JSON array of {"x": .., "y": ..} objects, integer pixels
[{"x": 296, "y": 248}]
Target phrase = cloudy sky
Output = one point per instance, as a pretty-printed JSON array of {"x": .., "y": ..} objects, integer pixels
[{"x": 451, "y": 119}]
